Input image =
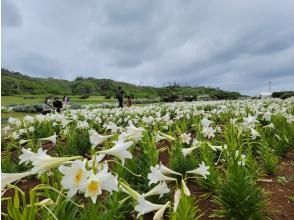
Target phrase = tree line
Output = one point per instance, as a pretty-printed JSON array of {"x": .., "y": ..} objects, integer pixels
[{"x": 15, "y": 83}]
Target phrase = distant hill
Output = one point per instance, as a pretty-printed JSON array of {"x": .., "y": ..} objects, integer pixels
[{"x": 15, "y": 83}]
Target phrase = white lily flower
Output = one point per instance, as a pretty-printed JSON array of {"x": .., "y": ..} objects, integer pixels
[
  {"x": 145, "y": 206},
  {"x": 254, "y": 134},
  {"x": 195, "y": 143},
  {"x": 29, "y": 156},
  {"x": 22, "y": 131},
  {"x": 156, "y": 176},
  {"x": 185, "y": 188},
  {"x": 233, "y": 121},
  {"x": 83, "y": 124},
  {"x": 242, "y": 161},
  {"x": 290, "y": 119},
  {"x": 177, "y": 197},
  {"x": 75, "y": 177},
  {"x": 43, "y": 164},
  {"x": 159, "y": 214},
  {"x": 159, "y": 189},
  {"x": 127, "y": 189},
  {"x": 205, "y": 122},
  {"x": 215, "y": 147},
  {"x": 250, "y": 121},
  {"x": 41, "y": 161},
  {"x": 7, "y": 178},
  {"x": 98, "y": 159},
  {"x": 208, "y": 132},
  {"x": 98, "y": 120},
  {"x": 98, "y": 182},
  {"x": 186, "y": 138},
  {"x": 120, "y": 150},
  {"x": 6, "y": 129},
  {"x": 29, "y": 119},
  {"x": 167, "y": 137},
  {"x": 159, "y": 137},
  {"x": 267, "y": 116},
  {"x": 14, "y": 121},
  {"x": 21, "y": 142},
  {"x": 93, "y": 189},
  {"x": 165, "y": 127},
  {"x": 165, "y": 170},
  {"x": 242, "y": 158},
  {"x": 45, "y": 202},
  {"x": 219, "y": 129},
  {"x": 187, "y": 151},
  {"x": 201, "y": 170},
  {"x": 96, "y": 138},
  {"x": 271, "y": 125},
  {"x": 15, "y": 136},
  {"x": 51, "y": 139},
  {"x": 108, "y": 181},
  {"x": 111, "y": 126},
  {"x": 134, "y": 132}
]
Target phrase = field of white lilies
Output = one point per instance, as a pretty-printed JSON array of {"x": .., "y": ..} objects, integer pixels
[{"x": 152, "y": 162}]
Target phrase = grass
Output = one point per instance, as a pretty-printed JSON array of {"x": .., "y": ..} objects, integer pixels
[
  {"x": 37, "y": 99},
  {"x": 20, "y": 100}
]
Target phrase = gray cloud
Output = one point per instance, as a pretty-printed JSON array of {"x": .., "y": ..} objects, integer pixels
[
  {"x": 10, "y": 14},
  {"x": 231, "y": 44}
]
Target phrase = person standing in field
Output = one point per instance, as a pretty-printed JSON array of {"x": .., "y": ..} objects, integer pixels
[
  {"x": 130, "y": 101},
  {"x": 65, "y": 100},
  {"x": 57, "y": 104},
  {"x": 120, "y": 96}
]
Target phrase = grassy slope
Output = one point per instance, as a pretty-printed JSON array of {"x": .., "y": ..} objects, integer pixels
[{"x": 18, "y": 84}]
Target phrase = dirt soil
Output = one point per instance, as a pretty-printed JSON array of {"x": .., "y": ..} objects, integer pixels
[
  {"x": 204, "y": 201},
  {"x": 25, "y": 185},
  {"x": 280, "y": 189},
  {"x": 280, "y": 206}
]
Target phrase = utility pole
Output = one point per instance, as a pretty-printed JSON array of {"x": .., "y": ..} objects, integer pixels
[{"x": 270, "y": 86}]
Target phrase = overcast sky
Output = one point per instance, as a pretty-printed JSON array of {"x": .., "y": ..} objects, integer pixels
[{"x": 231, "y": 44}]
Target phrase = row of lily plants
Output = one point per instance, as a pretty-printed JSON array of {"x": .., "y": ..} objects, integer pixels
[{"x": 139, "y": 162}]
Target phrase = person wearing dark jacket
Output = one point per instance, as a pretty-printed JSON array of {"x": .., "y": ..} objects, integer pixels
[
  {"x": 57, "y": 104},
  {"x": 120, "y": 96}
]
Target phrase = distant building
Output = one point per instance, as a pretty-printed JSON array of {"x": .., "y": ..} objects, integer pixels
[{"x": 264, "y": 95}]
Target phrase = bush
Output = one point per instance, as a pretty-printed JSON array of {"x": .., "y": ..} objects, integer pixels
[
  {"x": 28, "y": 97},
  {"x": 283, "y": 94},
  {"x": 187, "y": 209},
  {"x": 39, "y": 108},
  {"x": 84, "y": 97},
  {"x": 78, "y": 143},
  {"x": 238, "y": 197}
]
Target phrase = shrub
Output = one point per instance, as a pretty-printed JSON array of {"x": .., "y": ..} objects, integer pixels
[
  {"x": 28, "y": 97},
  {"x": 238, "y": 197},
  {"x": 107, "y": 96},
  {"x": 187, "y": 209},
  {"x": 84, "y": 97}
]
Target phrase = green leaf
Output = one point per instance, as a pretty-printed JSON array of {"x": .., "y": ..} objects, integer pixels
[{"x": 16, "y": 200}]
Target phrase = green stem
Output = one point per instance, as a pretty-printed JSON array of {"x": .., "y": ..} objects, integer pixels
[
  {"x": 50, "y": 212},
  {"x": 137, "y": 175},
  {"x": 44, "y": 186}
]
